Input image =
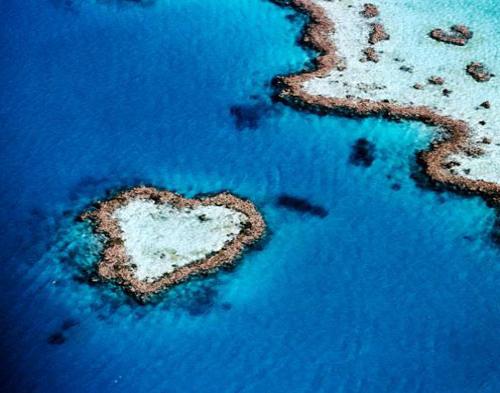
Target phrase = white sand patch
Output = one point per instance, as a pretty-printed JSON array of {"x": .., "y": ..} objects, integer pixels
[
  {"x": 410, "y": 48},
  {"x": 159, "y": 238}
]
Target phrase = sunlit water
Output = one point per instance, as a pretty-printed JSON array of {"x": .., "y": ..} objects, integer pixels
[{"x": 395, "y": 290}]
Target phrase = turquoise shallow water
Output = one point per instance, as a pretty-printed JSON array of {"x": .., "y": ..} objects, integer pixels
[{"x": 395, "y": 290}]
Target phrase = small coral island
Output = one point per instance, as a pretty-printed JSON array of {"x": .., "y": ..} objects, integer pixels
[{"x": 156, "y": 238}]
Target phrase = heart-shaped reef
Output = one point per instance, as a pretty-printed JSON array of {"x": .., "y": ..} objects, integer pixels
[{"x": 156, "y": 238}]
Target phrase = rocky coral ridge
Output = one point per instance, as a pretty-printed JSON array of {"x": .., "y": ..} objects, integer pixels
[
  {"x": 479, "y": 72},
  {"x": 460, "y": 35},
  {"x": 377, "y": 33},
  {"x": 156, "y": 239},
  {"x": 370, "y": 10}
]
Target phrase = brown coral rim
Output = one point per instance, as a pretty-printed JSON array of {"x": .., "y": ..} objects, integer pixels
[
  {"x": 378, "y": 34},
  {"x": 479, "y": 72},
  {"x": 114, "y": 263},
  {"x": 460, "y": 35},
  {"x": 370, "y": 10},
  {"x": 318, "y": 36}
]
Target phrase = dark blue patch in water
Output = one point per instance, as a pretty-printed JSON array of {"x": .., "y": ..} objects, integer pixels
[
  {"x": 301, "y": 205},
  {"x": 363, "y": 153},
  {"x": 248, "y": 116},
  {"x": 56, "y": 338}
]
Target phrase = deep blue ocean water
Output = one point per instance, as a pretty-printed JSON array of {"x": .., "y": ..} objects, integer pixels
[{"x": 395, "y": 290}]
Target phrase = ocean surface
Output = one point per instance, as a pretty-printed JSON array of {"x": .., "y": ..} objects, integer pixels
[{"x": 395, "y": 289}]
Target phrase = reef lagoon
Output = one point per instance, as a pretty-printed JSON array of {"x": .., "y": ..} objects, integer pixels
[{"x": 368, "y": 280}]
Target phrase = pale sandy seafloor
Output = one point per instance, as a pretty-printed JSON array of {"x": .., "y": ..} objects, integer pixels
[
  {"x": 160, "y": 238},
  {"x": 411, "y": 57}
]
